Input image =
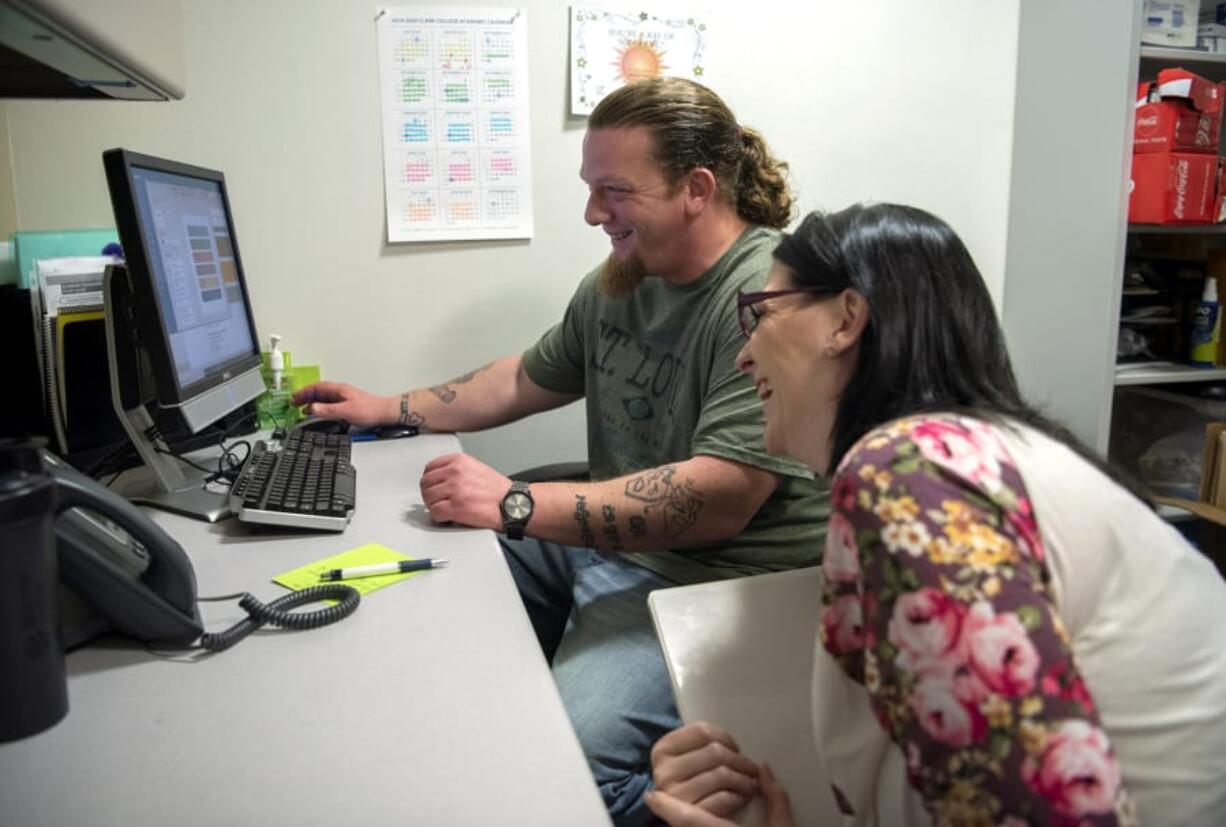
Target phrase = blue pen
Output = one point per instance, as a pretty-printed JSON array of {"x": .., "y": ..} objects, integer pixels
[{"x": 399, "y": 567}]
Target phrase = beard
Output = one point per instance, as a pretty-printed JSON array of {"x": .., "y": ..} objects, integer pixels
[{"x": 620, "y": 278}]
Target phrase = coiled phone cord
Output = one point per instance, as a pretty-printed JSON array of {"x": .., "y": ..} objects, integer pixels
[{"x": 277, "y": 614}]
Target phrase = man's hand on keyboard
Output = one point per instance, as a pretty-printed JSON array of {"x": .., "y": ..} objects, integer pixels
[
  {"x": 459, "y": 489},
  {"x": 344, "y": 401}
]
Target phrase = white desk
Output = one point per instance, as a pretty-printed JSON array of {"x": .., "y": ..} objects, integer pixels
[{"x": 430, "y": 705}]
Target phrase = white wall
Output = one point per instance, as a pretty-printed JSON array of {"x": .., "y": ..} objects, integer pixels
[{"x": 881, "y": 99}]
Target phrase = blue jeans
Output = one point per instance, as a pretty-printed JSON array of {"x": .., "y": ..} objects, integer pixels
[{"x": 590, "y": 614}]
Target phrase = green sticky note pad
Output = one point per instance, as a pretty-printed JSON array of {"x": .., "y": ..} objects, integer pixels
[{"x": 308, "y": 575}]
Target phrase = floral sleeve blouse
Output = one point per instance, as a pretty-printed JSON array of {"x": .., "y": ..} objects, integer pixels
[{"x": 937, "y": 601}]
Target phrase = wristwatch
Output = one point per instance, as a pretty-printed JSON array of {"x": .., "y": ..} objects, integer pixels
[{"x": 517, "y": 508}]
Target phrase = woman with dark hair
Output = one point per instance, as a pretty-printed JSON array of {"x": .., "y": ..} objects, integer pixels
[{"x": 1038, "y": 646}]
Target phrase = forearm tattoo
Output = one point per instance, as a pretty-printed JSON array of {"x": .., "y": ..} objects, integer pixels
[
  {"x": 446, "y": 393},
  {"x": 582, "y": 517},
  {"x": 408, "y": 417},
  {"x": 610, "y": 528},
  {"x": 678, "y": 503}
]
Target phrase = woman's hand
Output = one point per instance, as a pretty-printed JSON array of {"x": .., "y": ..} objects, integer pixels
[
  {"x": 680, "y": 814},
  {"x": 702, "y": 778}
]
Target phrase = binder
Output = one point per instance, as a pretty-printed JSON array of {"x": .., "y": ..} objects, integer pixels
[
  {"x": 23, "y": 413},
  {"x": 87, "y": 416},
  {"x": 740, "y": 655}
]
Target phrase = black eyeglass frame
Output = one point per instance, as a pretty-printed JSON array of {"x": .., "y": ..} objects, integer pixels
[{"x": 746, "y": 301}]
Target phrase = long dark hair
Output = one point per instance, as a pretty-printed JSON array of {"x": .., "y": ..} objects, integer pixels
[
  {"x": 933, "y": 342},
  {"x": 692, "y": 127}
]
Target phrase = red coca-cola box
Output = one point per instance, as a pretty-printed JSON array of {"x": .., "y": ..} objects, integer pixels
[
  {"x": 1219, "y": 206},
  {"x": 1169, "y": 125},
  {"x": 1181, "y": 112},
  {"x": 1201, "y": 94},
  {"x": 1172, "y": 188}
]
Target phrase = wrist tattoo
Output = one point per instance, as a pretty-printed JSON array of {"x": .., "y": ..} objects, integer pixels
[
  {"x": 408, "y": 417},
  {"x": 677, "y": 503},
  {"x": 582, "y": 518},
  {"x": 610, "y": 528}
]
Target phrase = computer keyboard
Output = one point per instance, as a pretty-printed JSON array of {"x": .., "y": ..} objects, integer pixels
[{"x": 304, "y": 481}]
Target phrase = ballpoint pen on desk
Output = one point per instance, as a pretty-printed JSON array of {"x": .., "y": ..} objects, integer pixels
[{"x": 399, "y": 567}]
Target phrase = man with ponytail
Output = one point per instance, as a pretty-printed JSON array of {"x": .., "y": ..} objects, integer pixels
[{"x": 682, "y": 489}]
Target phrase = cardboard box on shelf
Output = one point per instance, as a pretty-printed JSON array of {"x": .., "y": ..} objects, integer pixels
[
  {"x": 1211, "y": 37},
  {"x": 1200, "y": 93},
  {"x": 1170, "y": 22},
  {"x": 1210, "y": 504},
  {"x": 1219, "y": 196},
  {"x": 1158, "y": 436},
  {"x": 1172, "y": 188},
  {"x": 1213, "y": 480},
  {"x": 1172, "y": 126}
]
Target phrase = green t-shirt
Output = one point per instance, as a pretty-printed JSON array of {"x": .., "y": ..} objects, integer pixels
[{"x": 658, "y": 370}]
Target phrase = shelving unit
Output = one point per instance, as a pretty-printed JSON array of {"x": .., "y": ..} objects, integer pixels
[
  {"x": 1192, "y": 58},
  {"x": 1178, "y": 229},
  {"x": 1165, "y": 373},
  {"x": 1150, "y": 60},
  {"x": 1212, "y": 66}
]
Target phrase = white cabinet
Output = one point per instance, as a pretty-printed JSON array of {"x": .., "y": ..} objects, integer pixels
[{"x": 125, "y": 49}]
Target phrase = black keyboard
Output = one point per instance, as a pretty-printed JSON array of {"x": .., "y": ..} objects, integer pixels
[{"x": 304, "y": 481}]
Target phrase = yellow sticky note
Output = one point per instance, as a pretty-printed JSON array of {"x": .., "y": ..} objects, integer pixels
[{"x": 308, "y": 575}]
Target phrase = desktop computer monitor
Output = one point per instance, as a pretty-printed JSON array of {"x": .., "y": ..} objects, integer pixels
[{"x": 180, "y": 308}]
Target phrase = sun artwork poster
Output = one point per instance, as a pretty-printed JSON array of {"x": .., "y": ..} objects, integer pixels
[{"x": 610, "y": 47}]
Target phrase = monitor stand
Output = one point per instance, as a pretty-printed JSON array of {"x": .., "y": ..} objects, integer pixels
[{"x": 168, "y": 484}]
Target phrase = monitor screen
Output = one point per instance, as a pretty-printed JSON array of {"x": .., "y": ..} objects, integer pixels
[
  {"x": 190, "y": 296},
  {"x": 191, "y": 260}
]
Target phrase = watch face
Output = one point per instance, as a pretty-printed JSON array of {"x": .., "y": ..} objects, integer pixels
[{"x": 517, "y": 506}]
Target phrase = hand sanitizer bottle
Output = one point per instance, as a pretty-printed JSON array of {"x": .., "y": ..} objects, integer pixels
[
  {"x": 275, "y": 408},
  {"x": 1206, "y": 326},
  {"x": 276, "y": 361}
]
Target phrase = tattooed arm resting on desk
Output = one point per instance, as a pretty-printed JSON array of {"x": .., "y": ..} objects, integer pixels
[{"x": 699, "y": 500}]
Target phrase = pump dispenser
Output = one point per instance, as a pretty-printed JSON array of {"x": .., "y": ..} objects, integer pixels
[
  {"x": 276, "y": 361},
  {"x": 1206, "y": 326}
]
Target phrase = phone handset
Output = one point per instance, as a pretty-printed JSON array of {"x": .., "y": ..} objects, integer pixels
[{"x": 159, "y": 605}]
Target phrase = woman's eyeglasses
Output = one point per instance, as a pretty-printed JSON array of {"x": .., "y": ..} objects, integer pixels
[{"x": 748, "y": 313}]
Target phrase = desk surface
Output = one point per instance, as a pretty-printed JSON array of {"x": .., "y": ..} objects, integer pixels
[{"x": 431, "y": 705}]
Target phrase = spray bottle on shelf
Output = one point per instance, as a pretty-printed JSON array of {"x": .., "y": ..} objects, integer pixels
[{"x": 1206, "y": 326}]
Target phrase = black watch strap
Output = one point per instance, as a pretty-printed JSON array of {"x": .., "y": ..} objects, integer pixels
[{"x": 516, "y": 507}]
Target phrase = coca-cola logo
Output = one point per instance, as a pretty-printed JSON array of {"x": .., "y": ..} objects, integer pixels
[
  {"x": 1147, "y": 121},
  {"x": 1181, "y": 188}
]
